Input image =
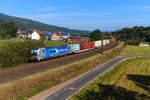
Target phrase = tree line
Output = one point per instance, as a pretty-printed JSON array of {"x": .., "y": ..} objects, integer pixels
[
  {"x": 132, "y": 36},
  {"x": 7, "y": 30}
]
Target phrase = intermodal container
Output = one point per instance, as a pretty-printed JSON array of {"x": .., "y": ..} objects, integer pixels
[
  {"x": 73, "y": 47},
  {"x": 112, "y": 40},
  {"x": 104, "y": 42},
  {"x": 87, "y": 45},
  {"x": 98, "y": 43},
  {"x": 107, "y": 41},
  {"x": 76, "y": 40}
]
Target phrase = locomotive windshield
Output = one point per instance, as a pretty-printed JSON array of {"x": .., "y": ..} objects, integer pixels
[
  {"x": 34, "y": 51},
  {"x": 35, "y": 48}
]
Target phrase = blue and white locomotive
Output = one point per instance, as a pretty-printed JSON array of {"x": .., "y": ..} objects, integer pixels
[{"x": 39, "y": 54}]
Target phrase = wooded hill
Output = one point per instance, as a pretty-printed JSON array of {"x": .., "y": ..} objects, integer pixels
[{"x": 23, "y": 23}]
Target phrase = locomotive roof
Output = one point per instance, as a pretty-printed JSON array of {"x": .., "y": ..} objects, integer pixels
[{"x": 49, "y": 47}]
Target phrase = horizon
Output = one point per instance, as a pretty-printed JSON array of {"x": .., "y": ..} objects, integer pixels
[{"x": 80, "y": 15}]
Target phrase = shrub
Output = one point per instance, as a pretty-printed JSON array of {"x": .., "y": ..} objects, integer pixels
[
  {"x": 16, "y": 52},
  {"x": 134, "y": 42}
]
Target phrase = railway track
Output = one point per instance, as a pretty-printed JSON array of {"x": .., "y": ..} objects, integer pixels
[{"x": 9, "y": 74}]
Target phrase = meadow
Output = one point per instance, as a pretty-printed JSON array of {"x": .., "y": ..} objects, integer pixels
[
  {"x": 15, "y": 52},
  {"x": 129, "y": 80},
  {"x": 136, "y": 51}
]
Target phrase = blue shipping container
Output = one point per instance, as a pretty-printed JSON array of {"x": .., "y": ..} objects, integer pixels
[
  {"x": 73, "y": 47},
  {"x": 56, "y": 51}
]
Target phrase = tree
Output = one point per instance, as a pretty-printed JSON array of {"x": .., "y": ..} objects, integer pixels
[
  {"x": 133, "y": 35},
  {"x": 96, "y": 35},
  {"x": 3, "y": 34},
  {"x": 8, "y": 30},
  {"x": 42, "y": 36}
]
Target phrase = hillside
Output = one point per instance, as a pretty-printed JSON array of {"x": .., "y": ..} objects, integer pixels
[{"x": 30, "y": 24}]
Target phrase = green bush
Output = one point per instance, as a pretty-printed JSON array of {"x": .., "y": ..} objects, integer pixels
[
  {"x": 16, "y": 52},
  {"x": 133, "y": 42}
]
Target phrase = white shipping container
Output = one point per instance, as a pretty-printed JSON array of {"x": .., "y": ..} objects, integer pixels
[
  {"x": 98, "y": 43},
  {"x": 73, "y": 47}
]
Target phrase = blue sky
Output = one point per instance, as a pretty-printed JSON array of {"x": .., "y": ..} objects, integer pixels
[{"x": 106, "y": 15}]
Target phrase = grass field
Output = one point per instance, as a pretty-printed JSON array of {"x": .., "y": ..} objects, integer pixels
[
  {"x": 129, "y": 80},
  {"x": 136, "y": 51},
  {"x": 26, "y": 87}
]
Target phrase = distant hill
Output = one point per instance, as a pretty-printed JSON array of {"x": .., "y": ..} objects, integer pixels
[{"x": 23, "y": 23}]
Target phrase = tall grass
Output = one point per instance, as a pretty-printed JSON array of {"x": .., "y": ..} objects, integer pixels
[{"x": 18, "y": 52}]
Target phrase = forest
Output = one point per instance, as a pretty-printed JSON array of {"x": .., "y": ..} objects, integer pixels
[{"x": 133, "y": 35}]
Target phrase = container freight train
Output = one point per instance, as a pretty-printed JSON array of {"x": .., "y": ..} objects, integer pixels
[{"x": 39, "y": 54}]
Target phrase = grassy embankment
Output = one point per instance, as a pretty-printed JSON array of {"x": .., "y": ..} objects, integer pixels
[
  {"x": 26, "y": 87},
  {"x": 129, "y": 80},
  {"x": 136, "y": 51},
  {"x": 15, "y": 52},
  {"x": 146, "y": 42}
]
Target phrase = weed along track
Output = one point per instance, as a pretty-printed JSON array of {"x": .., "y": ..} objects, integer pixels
[{"x": 17, "y": 72}]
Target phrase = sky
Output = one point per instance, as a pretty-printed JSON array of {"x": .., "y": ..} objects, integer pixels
[{"x": 106, "y": 15}]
